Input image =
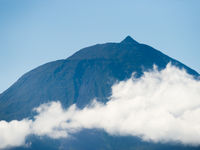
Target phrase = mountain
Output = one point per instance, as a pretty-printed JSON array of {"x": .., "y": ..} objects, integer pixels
[{"x": 87, "y": 74}]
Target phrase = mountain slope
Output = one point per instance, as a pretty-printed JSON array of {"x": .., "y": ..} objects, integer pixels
[{"x": 87, "y": 74}]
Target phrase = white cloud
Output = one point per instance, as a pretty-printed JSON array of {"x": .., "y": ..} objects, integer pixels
[
  {"x": 159, "y": 107},
  {"x": 14, "y": 133}
]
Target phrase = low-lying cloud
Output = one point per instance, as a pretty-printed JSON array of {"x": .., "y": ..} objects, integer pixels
[{"x": 161, "y": 106}]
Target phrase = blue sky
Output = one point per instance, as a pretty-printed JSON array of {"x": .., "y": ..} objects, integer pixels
[{"x": 33, "y": 32}]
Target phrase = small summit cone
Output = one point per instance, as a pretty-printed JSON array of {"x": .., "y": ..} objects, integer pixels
[{"x": 129, "y": 40}]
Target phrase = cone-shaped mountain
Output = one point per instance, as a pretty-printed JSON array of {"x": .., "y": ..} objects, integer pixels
[{"x": 87, "y": 74}]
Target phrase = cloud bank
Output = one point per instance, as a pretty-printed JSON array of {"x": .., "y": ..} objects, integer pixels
[{"x": 161, "y": 106}]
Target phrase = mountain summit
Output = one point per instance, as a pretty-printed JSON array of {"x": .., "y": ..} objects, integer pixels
[{"x": 129, "y": 40}]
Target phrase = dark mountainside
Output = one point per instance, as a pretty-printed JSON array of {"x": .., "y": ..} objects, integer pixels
[{"x": 87, "y": 74}]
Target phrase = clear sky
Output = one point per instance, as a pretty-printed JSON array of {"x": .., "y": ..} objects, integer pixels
[{"x": 33, "y": 32}]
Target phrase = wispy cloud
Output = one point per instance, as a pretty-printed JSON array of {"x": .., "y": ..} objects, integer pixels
[{"x": 159, "y": 107}]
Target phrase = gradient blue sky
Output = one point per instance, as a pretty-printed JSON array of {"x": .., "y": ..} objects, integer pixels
[{"x": 33, "y": 32}]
